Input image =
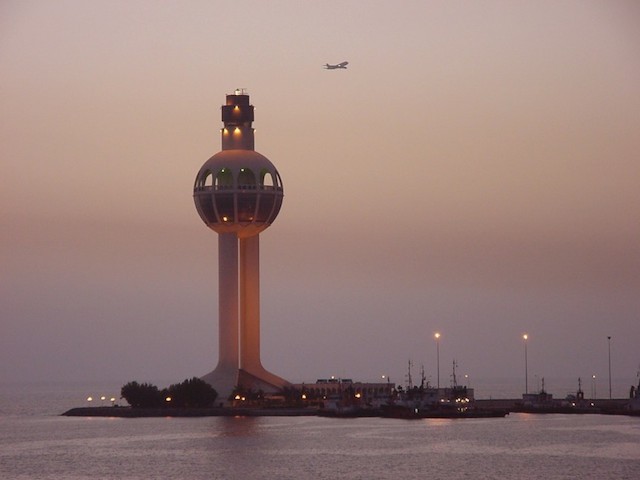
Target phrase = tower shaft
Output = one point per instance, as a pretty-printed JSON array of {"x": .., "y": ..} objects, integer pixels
[{"x": 250, "y": 304}]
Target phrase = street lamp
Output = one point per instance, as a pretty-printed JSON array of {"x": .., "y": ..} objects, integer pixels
[
  {"x": 593, "y": 387},
  {"x": 609, "y": 343},
  {"x": 525, "y": 337},
  {"x": 437, "y": 336}
]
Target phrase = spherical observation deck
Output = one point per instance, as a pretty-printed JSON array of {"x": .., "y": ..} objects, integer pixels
[{"x": 238, "y": 191}]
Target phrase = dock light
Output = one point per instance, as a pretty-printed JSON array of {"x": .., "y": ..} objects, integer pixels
[
  {"x": 113, "y": 401},
  {"x": 168, "y": 399},
  {"x": 525, "y": 337},
  {"x": 304, "y": 396},
  {"x": 437, "y": 336},
  {"x": 358, "y": 395},
  {"x": 609, "y": 343},
  {"x": 89, "y": 399}
]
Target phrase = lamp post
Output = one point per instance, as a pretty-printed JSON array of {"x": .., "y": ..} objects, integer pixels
[
  {"x": 609, "y": 344},
  {"x": 593, "y": 387},
  {"x": 437, "y": 336},
  {"x": 525, "y": 337}
]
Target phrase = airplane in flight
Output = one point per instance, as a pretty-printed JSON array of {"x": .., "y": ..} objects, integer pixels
[{"x": 339, "y": 65}]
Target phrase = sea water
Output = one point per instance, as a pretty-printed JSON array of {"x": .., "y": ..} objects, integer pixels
[{"x": 37, "y": 443}]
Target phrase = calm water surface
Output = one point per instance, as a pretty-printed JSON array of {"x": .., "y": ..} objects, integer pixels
[{"x": 42, "y": 445}]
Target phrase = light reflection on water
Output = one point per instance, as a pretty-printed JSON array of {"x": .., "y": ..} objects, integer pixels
[
  {"x": 519, "y": 446},
  {"x": 45, "y": 446}
]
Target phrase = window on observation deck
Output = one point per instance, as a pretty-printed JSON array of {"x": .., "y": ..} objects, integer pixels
[
  {"x": 247, "y": 202},
  {"x": 224, "y": 179},
  {"x": 225, "y": 207},
  {"x": 246, "y": 179},
  {"x": 205, "y": 206},
  {"x": 208, "y": 180},
  {"x": 266, "y": 180},
  {"x": 265, "y": 208}
]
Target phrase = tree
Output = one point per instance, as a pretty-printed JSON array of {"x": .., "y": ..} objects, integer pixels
[
  {"x": 192, "y": 392},
  {"x": 142, "y": 395}
]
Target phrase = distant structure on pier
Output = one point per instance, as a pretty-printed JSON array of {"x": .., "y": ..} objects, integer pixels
[{"x": 238, "y": 194}]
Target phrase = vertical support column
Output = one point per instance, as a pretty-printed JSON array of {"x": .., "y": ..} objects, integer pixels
[
  {"x": 250, "y": 304},
  {"x": 228, "y": 301}
]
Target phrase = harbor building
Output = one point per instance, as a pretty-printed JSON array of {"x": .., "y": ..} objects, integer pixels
[{"x": 336, "y": 393}]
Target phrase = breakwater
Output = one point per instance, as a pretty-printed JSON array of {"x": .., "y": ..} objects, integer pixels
[
  {"x": 604, "y": 406},
  {"x": 130, "y": 412}
]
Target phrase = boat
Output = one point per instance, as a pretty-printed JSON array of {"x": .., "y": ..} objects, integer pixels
[
  {"x": 425, "y": 401},
  {"x": 543, "y": 402},
  {"x": 631, "y": 407}
]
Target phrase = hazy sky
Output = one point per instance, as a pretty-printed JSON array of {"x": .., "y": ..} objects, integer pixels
[{"x": 474, "y": 172}]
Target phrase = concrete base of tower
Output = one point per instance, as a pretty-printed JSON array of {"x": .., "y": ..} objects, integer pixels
[
  {"x": 224, "y": 381},
  {"x": 262, "y": 380}
]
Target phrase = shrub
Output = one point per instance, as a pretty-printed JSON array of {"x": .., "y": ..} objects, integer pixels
[
  {"x": 192, "y": 392},
  {"x": 142, "y": 395}
]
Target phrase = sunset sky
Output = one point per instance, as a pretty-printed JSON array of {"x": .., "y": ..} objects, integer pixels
[{"x": 475, "y": 171}]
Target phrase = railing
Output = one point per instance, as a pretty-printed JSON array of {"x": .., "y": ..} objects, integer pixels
[{"x": 208, "y": 188}]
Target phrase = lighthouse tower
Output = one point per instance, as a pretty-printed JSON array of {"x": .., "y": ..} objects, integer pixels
[{"x": 238, "y": 193}]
